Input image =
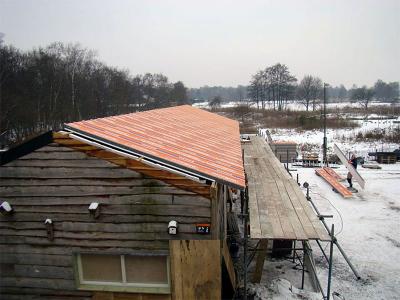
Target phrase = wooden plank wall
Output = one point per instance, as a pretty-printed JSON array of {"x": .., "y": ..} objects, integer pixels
[
  {"x": 196, "y": 269},
  {"x": 59, "y": 183}
]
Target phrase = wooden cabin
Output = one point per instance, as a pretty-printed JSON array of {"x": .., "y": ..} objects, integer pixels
[
  {"x": 285, "y": 151},
  {"x": 125, "y": 207}
]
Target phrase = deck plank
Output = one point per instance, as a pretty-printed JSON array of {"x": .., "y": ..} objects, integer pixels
[{"x": 278, "y": 207}]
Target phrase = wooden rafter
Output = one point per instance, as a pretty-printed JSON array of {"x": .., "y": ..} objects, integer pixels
[{"x": 176, "y": 180}]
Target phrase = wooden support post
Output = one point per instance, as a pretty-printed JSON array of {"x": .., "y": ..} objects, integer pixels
[
  {"x": 261, "y": 255},
  {"x": 215, "y": 221}
]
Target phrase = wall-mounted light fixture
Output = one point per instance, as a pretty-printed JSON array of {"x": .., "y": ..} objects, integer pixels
[
  {"x": 173, "y": 227},
  {"x": 94, "y": 209},
  {"x": 49, "y": 228},
  {"x": 5, "y": 208}
]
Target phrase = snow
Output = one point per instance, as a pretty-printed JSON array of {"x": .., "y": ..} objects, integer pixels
[
  {"x": 366, "y": 225},
  {"x": 282, "y": 289},
  {"x": 292, "y": 105},
  {"x": 344, "y": 137}
]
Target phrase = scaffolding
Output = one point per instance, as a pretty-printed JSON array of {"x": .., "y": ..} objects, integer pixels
[{"x": 275, "y": 177}]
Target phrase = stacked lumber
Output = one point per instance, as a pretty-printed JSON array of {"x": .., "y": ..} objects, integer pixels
[{"x": 333, "y": 178}]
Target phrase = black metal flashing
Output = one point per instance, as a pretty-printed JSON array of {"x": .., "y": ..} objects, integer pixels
[{"x": 26, "y": 147}]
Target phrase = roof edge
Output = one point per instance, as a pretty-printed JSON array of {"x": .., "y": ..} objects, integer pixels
[
  {"x": 26, "y": 147},
  {"x": 152, "y": 159}
]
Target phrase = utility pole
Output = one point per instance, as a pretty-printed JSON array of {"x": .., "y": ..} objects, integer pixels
[{"x": 324, "y": 145}]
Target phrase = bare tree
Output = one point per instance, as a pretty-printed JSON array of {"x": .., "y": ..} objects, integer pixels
[
  {"x": 275, "y": 84},
  {"x": 309, "y": 91},
  {"x": 215, "y": 102},
  {"x": 43, "y": 88},
  {"x": 363, "y": 96},
  {"x": 304, "y": 90}
]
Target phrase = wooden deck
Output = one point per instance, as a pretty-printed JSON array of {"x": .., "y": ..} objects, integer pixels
[{"x": 278, "y": 207}]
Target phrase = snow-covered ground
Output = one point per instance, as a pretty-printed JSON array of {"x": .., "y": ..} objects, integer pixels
[
  {"x": 368, "y": 228},
  {"x": 344, "y": 138},
  {"x": 367, "y": 225},
  {"x": 292, "y": 105}
]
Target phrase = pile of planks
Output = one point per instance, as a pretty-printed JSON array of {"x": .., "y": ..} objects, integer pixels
[{"x": 333, "y": 179}]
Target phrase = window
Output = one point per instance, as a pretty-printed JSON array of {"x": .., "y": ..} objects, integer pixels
[{"x": 131, "y": 273}]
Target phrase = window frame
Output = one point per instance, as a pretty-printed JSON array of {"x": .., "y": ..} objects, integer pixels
[{"x": 124, "y": 286}]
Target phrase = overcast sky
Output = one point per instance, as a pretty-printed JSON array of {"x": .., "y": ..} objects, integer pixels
[{"x": 220, "y": 42}]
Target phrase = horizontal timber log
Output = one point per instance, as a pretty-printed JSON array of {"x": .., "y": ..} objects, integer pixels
[
  {"x": 55, "y": 284},
  {"x": 160, "y": 210},
  {"x": 99, "y": 236},
  {"x": 116, "y": 219},
  {"x": 98, "y": 227},
  {"x": 68, "y": 163},
  {"x": 87, "y": 190},
  {"x": 28, "y": 258},
  {"x": 54, "y": 250},
  {"x": 37, "y": 271},
  {"x": 56, "y": 155},
  {"x": 143, "y": 245},
  {"x": 67, "y": 173},
  {"x": 36, "y": 296},
  {"x": 36, "y": 292},
  {"x": 82, "y": 182},
  {"x": 149, "y": 199}
]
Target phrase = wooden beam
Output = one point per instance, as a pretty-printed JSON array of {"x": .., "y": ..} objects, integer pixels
[
  {"x": 229, "y": 264},
  {"x": 215, "y": 221},
  {"x": 260, "y": 258},
  {"x": 195, "y": 269},
  {"x": 136, "y": 165}
]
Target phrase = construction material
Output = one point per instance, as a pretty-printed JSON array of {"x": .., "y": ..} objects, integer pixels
[
  {"x": 332, "y": 172},
  {"x": 349, "y": 166},
  {"x": 310, "y": 160},
  {"x": 329, "y": 177},
  {"x": 371, "y": 166}
]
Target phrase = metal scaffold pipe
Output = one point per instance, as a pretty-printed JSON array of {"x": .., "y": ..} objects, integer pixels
[{"x": 335, "y": 241}]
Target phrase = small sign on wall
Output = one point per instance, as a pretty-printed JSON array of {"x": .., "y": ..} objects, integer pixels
[{"x": 203, "y": 228}]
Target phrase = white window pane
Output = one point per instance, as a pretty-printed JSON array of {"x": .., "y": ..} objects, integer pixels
[
  {"x": 146, "y": 269},
  {"x": 96, "y": 267}
]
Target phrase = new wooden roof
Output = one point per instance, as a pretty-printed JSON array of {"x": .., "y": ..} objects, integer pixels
[
  {"x": 278, "y": 208},
  {"x": 183, "y": 137}
]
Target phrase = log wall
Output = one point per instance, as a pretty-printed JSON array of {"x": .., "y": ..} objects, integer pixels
[{"x": 58, "y": 183}]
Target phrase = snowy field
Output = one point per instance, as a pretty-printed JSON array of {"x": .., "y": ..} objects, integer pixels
[
  {"x": 367, "y": 225},
  {"x": 292, "y": 105},
  {"x": 344, "y": 138}
]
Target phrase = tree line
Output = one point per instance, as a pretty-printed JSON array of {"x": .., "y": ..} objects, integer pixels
[
  {"x": 275, "y": 86},
  {"x": 226, "y": 94},
  {"x": 43, "y": 88}
]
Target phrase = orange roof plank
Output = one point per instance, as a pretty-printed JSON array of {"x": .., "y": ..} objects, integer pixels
[{"x": 187, "y": 137}]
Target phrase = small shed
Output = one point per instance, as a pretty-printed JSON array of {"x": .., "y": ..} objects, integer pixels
[
  {"x": 285, "y": 151},
  {"x": 386, "y": 157},
  {"x": 125, "y": 207}
]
